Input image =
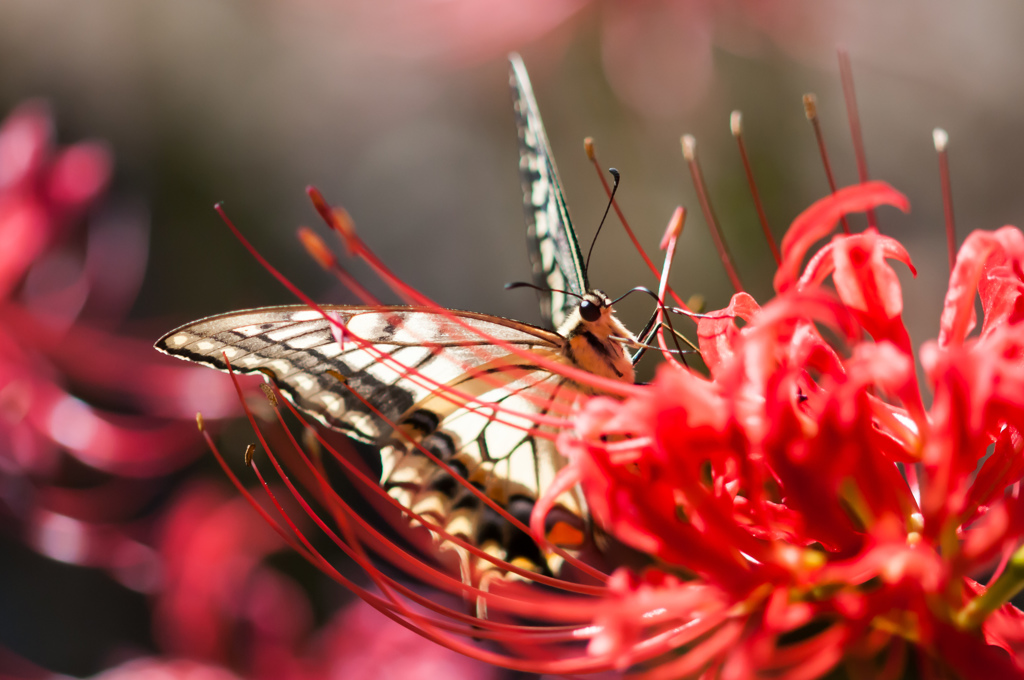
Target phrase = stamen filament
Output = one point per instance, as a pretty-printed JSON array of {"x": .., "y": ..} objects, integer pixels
[
  {"x": 941, "y": 140},
  {"x": 690, "y": 154},
  {"x": 850, "y": 95},
  {"x": 811, "y": 111},
  {"x": 575, "y": 374},
  {"x": 668, "y": 244},
  {"x": 736, "y": 126},
  {"x": 588, "y": 145},
  {"x": 406, "y": 618}
]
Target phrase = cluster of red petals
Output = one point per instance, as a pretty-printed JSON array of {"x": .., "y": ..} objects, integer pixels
[
  {"x": 802, "y": 506},
  {"x": 73, "y": 469}
]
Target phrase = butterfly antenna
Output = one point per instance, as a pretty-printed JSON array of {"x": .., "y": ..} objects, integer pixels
[
  {"x": 543, "y": 289},
  {"x": 611, "y": 199}
]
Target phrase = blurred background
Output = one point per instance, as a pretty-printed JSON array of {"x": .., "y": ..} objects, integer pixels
[{"x": 399, "y": 111}]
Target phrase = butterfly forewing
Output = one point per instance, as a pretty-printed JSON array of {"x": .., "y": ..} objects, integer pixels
[
  {"x": 554, "y": 252},
  {"x": 296, "y": 347}
]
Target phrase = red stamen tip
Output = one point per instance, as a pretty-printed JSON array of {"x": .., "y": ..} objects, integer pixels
[
  {"x": 249, "y": 451},
  {"x": 736, "y": 123},
  {"x": 675, "y": 227},
  {"x": 337, "y": 219},
  {"x": 199, "y": 422},
  {"x": 319, "y": 203},
  {"x": 588, "y": 146},
  {"x": 317, "y": 249},
  {"x": 941, "y": 139}
]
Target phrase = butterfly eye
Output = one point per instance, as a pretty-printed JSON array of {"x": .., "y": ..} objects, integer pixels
[{"x": 589, "y": 311}]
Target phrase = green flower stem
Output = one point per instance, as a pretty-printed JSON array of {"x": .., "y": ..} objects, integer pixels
[{"x": 1009, "y": 583}]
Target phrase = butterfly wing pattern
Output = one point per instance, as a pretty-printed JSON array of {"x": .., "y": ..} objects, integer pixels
[
  {"x": 430, "y": 373},
  {"x": 554, "y": 252}
]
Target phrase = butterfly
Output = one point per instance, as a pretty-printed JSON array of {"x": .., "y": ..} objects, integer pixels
[{"x": 411, "y": 378}]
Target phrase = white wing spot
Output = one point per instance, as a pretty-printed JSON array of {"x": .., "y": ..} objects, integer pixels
[
  {"x": 383, "y": 373},
  {"x": 357, "y": 359},
  {"x": 332, "y": 402},
  {"x": 328, "y": 351},
  {"x": 179, "y": 339},
  {"x": 304, "y": 382},
  {"x": 280, "y": 367},
  {"x": 307, "y": 315}
]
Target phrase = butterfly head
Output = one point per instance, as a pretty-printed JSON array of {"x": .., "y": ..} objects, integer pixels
[
  {"x": 595, "y": 339},
  {"x": 594, "y": 305}
]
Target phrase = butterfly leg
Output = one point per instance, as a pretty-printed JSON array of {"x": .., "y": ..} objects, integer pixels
[{"x": 647, "y": 335}]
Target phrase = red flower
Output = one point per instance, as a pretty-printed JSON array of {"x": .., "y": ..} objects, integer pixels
[{"x": 817, "y": 514}]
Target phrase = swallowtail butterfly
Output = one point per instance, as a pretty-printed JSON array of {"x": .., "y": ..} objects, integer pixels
[{"x": 434, "y": 374}]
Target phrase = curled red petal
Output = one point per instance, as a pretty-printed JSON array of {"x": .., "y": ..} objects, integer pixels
[
  {"x": 971, "y": 263},
  {"x": 864, "y": 281},
  {"x": 717, "y": 331},
  {"x": 821, "y": 218},
  {"x": 823, "y": 263},
  {"x": 1002, "y": 297}
]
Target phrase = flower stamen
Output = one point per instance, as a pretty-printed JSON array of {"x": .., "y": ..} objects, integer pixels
[
  {"x": 736, "y": 127},
  {"x": 689, "y": 144}
]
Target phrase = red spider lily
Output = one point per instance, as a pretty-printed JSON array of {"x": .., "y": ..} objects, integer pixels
[
  {"x": 60, "y": 360},
  {"x": 804, "y": 509}
]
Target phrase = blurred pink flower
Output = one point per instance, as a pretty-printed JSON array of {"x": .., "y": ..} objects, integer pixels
[
  {"x": 166, "y": 669},
  {"x": 86, "y": 415},
  {"x": 215, "y": 585}
]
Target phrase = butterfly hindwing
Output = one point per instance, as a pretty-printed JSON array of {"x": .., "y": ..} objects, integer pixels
[{"x": 554, "y": 252}]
